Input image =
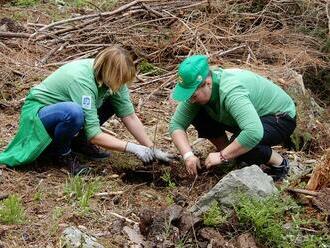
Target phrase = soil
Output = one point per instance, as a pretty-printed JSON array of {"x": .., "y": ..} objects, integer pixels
[{"x": 41, "y": 184}]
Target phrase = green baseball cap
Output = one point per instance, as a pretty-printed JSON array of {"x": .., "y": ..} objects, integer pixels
[{"x": 192, "y": 73}]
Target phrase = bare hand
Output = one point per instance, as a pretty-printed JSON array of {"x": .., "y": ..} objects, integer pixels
[
  {"x": 213, "y": 159},
  {"x": 191, "y": 165}
]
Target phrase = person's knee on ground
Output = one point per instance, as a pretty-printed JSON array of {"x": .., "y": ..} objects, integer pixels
[
  {"x": 63, "y": 121},
  {"x": 81, "y": 145}
]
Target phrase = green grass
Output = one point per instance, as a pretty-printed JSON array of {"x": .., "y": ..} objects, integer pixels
[
  {"x": 170, "y": 185},
  {"x": 169, "y": 199},
  {"x": 214, "y": 216},
  {"x": 56, "y": 215},
  {"x": 25, "y": 3},
  {"x": 97, "y": 5},
  {"x": 167, "y": 179},
  {"x": 12, "y": 211},
  {"x": 266, "y": 218},
  {"x": 81, "y": 191},
  {"x": 146, "y": 67},
  {"x": 38, "y": 196}
]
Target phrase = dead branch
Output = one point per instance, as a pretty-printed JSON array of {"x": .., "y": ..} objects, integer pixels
[
  {"x": 14, "y": 35},
  {"x": 105, "y": 14}
]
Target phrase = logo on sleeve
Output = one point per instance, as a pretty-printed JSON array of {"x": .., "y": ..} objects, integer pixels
[{"x": 86, "y": 102}]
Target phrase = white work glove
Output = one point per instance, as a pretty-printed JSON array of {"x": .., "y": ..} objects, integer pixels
[
  {"x": 163, "y": 156},
  {"x": 144, "y": 153}
]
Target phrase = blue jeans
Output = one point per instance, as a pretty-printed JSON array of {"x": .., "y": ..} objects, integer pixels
[{"x": 62, "y": 121}]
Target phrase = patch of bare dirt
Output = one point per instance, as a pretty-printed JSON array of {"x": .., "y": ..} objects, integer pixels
[{"x": 259, "y": 41}]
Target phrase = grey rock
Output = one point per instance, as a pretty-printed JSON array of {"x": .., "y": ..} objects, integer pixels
[
  {"x": 72, "y": 237},
  {"x": 250, "y": 180}
]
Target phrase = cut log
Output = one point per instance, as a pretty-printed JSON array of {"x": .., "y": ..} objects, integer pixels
[{"x": 321, "y": 174}]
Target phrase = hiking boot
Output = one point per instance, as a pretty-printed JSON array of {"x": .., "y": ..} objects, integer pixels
[
  {"x": 278, "y": 173},
  {"x": 82, "y": 146},
  {"x": 71, "y": 162}
]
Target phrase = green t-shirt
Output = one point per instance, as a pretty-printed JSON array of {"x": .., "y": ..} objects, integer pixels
[
  {"x": 75, "y": 82},
  {"x": 239, "y": 98}
]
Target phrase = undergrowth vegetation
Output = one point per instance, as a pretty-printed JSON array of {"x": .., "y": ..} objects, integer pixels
[
  {"x": 215, "y": 215},
  {"x": 12, "y": 211},
  {"x": 277, "y": 221},
  {"x": 81, "y": 191}
]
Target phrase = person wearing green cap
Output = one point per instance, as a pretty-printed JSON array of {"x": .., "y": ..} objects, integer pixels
[{"x": 256, "y": 111}]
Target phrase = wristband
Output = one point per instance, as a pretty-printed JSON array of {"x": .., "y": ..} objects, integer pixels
[
  {"x": 187, "y": 155},
  {"x": 223, "y": 157}
]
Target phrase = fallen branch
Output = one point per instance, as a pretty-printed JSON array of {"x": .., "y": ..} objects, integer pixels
[
  {"x": 123, "y": 218},
  {"x": 110, "y": 193},
  {"x": 120, "y": 9},
  {"x": 14, "y": 35}
]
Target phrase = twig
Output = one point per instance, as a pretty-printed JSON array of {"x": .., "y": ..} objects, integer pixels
[
  {"x": 110, "y": 193},
  {"x": 192, "y": 32},
  {"x": 120, "y": 9},
  {"x": 303, "y": 191},
  {"x": 14, "y": 35},
  {"x": 155, "y": 12},
  {"x": 327, "y": 9},
  {"x": 54, "y": 50},
  {"x": 227, "y": 51},
  {"x": 193, "y": 184},
  {"x": 193, "y": 229},
  {"x": 154, "y": 91},
  {"x": 108, "y": 131},
  {"x": 122, "y": 217}
]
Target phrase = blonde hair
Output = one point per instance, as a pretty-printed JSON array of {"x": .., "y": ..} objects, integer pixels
[{"x": 114, "y": 67}]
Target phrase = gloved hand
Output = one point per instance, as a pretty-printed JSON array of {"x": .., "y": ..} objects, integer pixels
[
  {"x": 144, "y": 153},
  {"x": 163, "y": 156}
]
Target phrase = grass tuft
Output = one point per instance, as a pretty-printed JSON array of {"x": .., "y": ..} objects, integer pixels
[
  {"x": 12, "y": 211},
  {"x": 214, "y": 216},
  {"x": 26, "y": 3},
  {"x": 82, "y": 191}
]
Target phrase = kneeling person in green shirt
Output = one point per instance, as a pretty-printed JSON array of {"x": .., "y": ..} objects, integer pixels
[
  {"x": 257, "y": 111},
  {"x": 66, "y": 110}
]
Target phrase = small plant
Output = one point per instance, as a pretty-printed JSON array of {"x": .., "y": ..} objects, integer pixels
[
  {"x": 38, "y": 196},
  {"x": 25, "y": 3},
  {"x": 214, "y": 216},
  {"x": 167, "y": 179},
  {"x": 82, "y": 191},
  {"x": 56, "y": 215},
  {"x": 169, "y": 199},
  {"x": 146, "y": 67},
  {"x": 11, "y": 210}
]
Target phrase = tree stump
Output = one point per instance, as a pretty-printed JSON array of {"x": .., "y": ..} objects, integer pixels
[{"x": 321, "y": 174}]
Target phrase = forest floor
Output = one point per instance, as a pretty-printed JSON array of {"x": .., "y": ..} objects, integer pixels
[{"x": 121, "y": 187}]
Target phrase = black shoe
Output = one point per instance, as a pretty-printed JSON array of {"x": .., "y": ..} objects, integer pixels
[
  {"x": 82, "y": 146},
  {"x": 278, "y": 173},
  {"x": 71, "y": 162}
]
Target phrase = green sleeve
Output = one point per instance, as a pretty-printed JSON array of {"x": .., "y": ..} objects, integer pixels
[
  {"x": 122, "y": 103},
  {"x": 183, "y": 116},
  {"x": 238, "y": 104},
  {"x": 79, "y": 91}
]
